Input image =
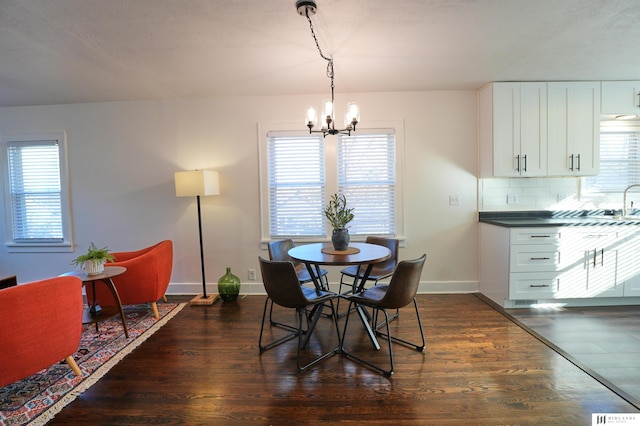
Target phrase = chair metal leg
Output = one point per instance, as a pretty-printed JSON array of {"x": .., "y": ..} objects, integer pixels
[
  {"x": 276, "y": 342},
  {"x": 274, "y": 323},
  {"x": 419, "y": 348},
  {"x": 303, "y": 340},
  {"x": 361, "y": 360}
]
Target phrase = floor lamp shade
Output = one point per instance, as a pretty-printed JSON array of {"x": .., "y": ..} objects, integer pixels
[{"x": 197, "y": 183}]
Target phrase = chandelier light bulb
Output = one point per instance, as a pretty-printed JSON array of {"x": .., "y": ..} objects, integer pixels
[
  {"x": 311, "y": 118},
  {"x": 327, "y": 111},
  {"x": 352, "y": 116}
]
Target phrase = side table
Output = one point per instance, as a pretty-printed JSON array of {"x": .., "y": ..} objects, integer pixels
[{"x": 92, "y": 314}]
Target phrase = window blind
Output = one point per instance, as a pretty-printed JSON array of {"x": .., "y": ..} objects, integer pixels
[
  {"x": 619, "y": 162},
  {"x": 296, "y": 185},
  {"x": 366, "y": 176},
  {"x": 35, "y": 191}
]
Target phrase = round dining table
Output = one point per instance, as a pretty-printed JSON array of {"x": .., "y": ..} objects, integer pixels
[{"x": 316, "y": 254}]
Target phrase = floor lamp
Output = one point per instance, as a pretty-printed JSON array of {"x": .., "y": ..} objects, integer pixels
[{"x": 198, "y": 183}]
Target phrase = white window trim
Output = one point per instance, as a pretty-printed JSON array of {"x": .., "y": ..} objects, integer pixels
[
  {"x": 66, "y": 245},
  {"x": 331, "y": 173}
]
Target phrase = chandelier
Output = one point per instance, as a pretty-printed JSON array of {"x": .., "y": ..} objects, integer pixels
[{"x": 352, "y": 116}]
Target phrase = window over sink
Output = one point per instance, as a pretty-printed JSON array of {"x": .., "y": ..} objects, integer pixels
[{"x": 619, "y": 158}]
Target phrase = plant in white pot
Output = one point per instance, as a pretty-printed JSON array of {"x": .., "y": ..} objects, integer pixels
[
  {"x": 339, "y": 215},
  {"x": 93, "y": 260}
]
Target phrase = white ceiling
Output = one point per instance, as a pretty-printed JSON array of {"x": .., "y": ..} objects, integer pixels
[{"x": 70, "y": 51}]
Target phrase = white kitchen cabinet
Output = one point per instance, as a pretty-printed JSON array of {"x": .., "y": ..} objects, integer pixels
[
  {"x": 513, "y": 129},
  {"x": 601, "y": 247},
  {"x": 620, "y": 97},
  {"x": 525, "y": 265},
  {"x": 573, "y": 127},
  {"x": 629, "y": 264}
]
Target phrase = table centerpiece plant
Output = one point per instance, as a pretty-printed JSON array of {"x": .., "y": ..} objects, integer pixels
[
  {"x": 94, "y": 259},
  {"x": 339, "y": 215}
]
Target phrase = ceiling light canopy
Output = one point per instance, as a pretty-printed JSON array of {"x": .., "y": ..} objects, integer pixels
[{"x": 307, "y": 8}]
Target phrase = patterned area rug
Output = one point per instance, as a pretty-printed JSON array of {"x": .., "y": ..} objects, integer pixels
[{"x": 36, "y": 399}]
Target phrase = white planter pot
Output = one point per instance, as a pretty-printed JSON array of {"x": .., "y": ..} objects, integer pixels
[{"x": 93, "y": 267}]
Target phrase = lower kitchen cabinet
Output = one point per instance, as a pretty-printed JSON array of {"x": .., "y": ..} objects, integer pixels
[
  {"x": 628, "y": 270},
  {"x": 521, "y": 266}
]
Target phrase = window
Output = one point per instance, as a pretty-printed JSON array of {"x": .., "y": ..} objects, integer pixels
[
  {"x": 301, "y": 171},
  {"x": 619, "y": 161},
  {"x": 367, "y": 176},
  {"x": 36, "y": 197}
]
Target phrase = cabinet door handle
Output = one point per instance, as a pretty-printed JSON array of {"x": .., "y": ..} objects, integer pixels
[
  {"x": 525, "y": 163},
  {"x": 518, "y": 163},
  {"x": 578, "y": 157},
  {"x": 602, "y": 257},
  {"x": 539, "y": 285},
  {"x": 638, "y": 99},
  {"x": 540, "y": 258},
  {"x": 571, "y": 162},
  {"x": 595, "y": 256},
  {"x": 540, "y": 236}
]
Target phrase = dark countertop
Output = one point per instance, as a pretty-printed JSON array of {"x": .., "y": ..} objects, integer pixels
[{"x": 548, "y": 218}]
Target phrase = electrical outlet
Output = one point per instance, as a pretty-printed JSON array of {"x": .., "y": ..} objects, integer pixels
[
  {"x": 512, "y": 199},
  {"x": 454, "y": 200},
  {"x": 252, "y": 274}
]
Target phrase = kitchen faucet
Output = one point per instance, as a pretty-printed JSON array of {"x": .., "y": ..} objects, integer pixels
[{"x": 624, "y": 198}]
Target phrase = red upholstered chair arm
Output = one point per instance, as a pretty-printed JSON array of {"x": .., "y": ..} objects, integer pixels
[{"x": 40, "y": 325}]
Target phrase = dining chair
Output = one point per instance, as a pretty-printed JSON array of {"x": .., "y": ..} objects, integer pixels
[
  {"x": 400, "y": 292},
  {"x": 379, "y": 271},
  {"x": 279, "y": 250},
  {"x": 283, "y": 288}
]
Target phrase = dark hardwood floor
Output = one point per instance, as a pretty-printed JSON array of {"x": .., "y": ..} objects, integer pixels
[
  {"x": 479, "y": 368},
  {"x": 604, "y": 341}
]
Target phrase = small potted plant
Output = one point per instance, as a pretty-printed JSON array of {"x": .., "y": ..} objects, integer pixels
[
  {"x": 93, "y": 260},
  {"x": 339, "y": 215}
]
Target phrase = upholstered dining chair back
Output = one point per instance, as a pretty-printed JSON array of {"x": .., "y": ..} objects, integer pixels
[
  {"x": 403, "y": 286},
  {"x": 279, "y": 250},
  {"x": 379, "y": 271},
  {"x": 281, "y": 284},
  {"x": 384, "y": 269}
]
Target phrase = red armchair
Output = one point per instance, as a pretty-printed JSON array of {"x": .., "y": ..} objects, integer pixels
[
  {"x": 146, "y": 279},
  {"x": 40, "y": 324}
]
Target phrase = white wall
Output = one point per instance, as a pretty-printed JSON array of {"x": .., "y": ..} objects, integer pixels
[{"x": 122, "y": 156}]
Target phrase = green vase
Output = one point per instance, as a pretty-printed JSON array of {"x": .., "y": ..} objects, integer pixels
[{"x": 229, "y": 286}]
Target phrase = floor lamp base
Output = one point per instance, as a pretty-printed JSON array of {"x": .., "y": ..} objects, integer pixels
[{"x": 200, "y": 300}]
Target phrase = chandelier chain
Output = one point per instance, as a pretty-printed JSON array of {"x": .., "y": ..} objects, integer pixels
[{"x": 330, "y": 72}]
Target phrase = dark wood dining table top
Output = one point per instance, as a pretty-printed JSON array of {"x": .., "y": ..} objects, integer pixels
[{"x": 312, "y": 253}]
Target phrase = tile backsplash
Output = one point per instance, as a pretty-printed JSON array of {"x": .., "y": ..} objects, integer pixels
[{"x": 544, "y": 193}]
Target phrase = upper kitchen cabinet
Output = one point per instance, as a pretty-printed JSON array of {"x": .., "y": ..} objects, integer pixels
[
  {"x": 620, "y": 97},
  {"x": 513, "y": 129},
  {"x": 573, "y": 126}
]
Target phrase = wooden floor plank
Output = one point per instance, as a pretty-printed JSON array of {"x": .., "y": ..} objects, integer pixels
[{"x": 479, "y": 368}]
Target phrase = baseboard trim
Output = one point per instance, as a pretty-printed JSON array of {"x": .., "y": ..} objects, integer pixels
[{"x": 254, "y": 287}]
